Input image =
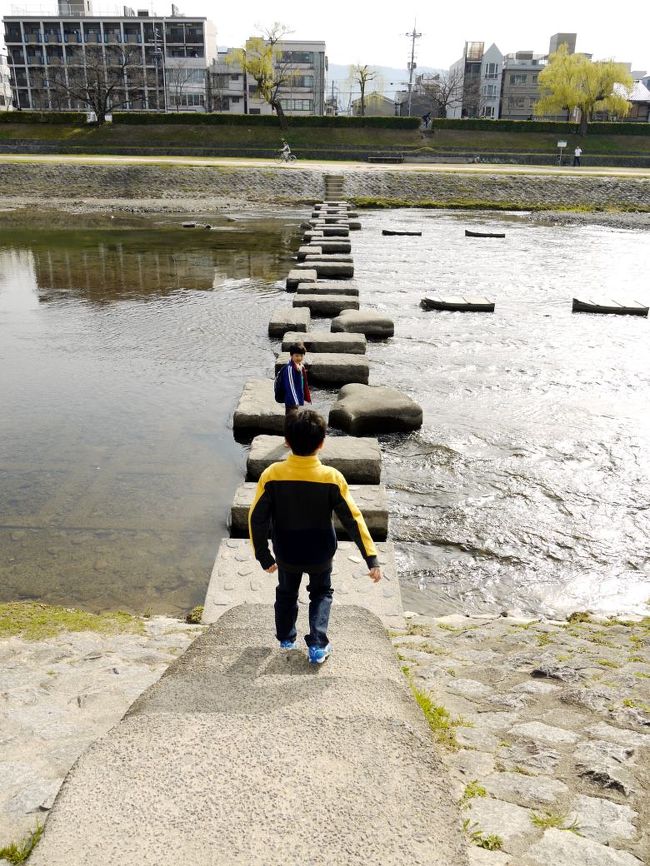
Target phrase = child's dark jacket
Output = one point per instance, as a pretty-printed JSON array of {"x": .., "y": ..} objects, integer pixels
[
  {"x": 296, "y": 386},
  {"x": 295, "y": 500}
]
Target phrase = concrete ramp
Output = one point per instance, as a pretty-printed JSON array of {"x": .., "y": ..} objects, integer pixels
[{"x": 244, "y": 754}]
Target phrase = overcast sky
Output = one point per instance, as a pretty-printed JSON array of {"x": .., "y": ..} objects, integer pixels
[{"x": 373, "y": 33}]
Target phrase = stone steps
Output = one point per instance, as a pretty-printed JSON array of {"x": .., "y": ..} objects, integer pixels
[
  {"x": 285, "y": 319},
  {"x": 328, "y": 287},
  {"x": 331, "y": 368},
  {"x": 326, "y": 305},
  {"x": 326, "y": 342},
  {"x": 237, "y": 578},
  {"x": 358, "y": 459},
  {"x": 371, "y": 499}
]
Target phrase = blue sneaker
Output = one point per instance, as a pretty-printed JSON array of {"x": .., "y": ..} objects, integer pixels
[
  {"x": 318, "y": 654},
  {"x": 287, "y": 644}
]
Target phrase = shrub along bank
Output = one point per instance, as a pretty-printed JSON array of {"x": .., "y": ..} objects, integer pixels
[{"x": 321, "y": 137}]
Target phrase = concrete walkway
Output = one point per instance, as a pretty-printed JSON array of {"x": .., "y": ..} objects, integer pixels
[
  {"x": 319, "y": 166},
  {"x": 243, "y": 754}
]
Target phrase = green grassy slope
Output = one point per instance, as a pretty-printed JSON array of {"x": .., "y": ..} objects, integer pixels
[{"x": 303, "y": 140}]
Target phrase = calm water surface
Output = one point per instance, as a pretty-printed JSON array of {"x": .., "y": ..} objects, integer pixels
[{"x": 125, "y": 343}]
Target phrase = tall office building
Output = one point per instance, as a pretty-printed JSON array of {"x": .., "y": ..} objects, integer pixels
[{"x": 160, "y": 61}]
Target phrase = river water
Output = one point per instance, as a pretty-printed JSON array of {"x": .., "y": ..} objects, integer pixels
[{"x": 125, "y": 343}]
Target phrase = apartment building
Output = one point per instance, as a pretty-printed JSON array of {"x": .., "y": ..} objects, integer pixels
[
  {"x": 165, "y": 59},
  {"x": 5, "y": 82},
  {"x": 303, "y": 63},
  {"x": 467, "y": 71},
  {"x": 520, "y": 88}
]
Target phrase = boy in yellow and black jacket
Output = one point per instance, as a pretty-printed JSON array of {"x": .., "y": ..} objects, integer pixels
[{"x": 295, "y": 500}]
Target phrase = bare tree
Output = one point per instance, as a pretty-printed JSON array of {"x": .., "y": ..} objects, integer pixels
[
  {"x": 178, "y": 78},
  {"x": 444, "y": 90},
  {"x": 362, "y": 75},
  {"x": 107, "y": 77}
]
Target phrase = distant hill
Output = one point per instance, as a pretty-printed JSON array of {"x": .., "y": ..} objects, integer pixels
[{"x": 389, "y": 79}]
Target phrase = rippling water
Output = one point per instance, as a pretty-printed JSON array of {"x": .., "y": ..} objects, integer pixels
[
  {"x": 124, "y": 347},
  {"x": 527, "y": 486}
]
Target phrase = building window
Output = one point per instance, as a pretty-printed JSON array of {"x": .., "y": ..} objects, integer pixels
[
  {"x": 491, "y": 70},
  {"x": 297, "y": 57},
  {"x": 490, "y": 91},
  {"x": 297, "y": 104},
  {"x": 488, "y": 111},
  {"x": 12, "y": 32},
  {"x": 235, "y": 98},
  {"x": 302, "y": 81},
  {"x": 518, "y": 78},
  {"x": 254, "y": 111}
]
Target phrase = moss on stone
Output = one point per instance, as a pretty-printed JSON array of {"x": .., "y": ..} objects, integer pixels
[{"x": 35, "y": 621}]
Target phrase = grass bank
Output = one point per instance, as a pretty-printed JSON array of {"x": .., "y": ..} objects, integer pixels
[{"x": 316, "y": 142}]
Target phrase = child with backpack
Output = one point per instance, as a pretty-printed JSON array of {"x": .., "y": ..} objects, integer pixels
[{"x": 291, "y": 386}]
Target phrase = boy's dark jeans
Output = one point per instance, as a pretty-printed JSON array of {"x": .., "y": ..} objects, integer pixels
[{"x": 286, "y": 605}]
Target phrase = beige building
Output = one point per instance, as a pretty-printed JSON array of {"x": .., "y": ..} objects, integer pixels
[
  {"x": 232, "y": 90},
  {"x": 376, "y": 105},
  {"x": 520, "y": 87}
]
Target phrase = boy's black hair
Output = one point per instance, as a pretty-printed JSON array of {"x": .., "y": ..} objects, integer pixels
[
  {"x": 297, "y": 349},
  {"x": 304, "y": 431}
]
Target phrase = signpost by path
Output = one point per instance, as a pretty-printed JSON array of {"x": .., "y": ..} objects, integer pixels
[{"x": 561, "y": 145}]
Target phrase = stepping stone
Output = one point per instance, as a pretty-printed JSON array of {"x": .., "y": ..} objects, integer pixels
[
  {"x": 302, "y": 274},
  {"x": 337, "y": 287},
  {"x": 333, "y": 231},
  {"x": 344, "y": 258},
  {"x": 285, "y": 319},
  {"x": 457, "y": 303},
  {"x": 331, "y": 245},
  {"x": 358, "y": 460},
  {"x": 237, "y": 578},
  {"x": 257, "y": 411},
  {"x": 326, "y": 341},
  {"x": 363, "y": 409},
  {"x": 328, "y": 368},
  {"x": 328, "y": 305},
  {"x": 323, "y": 269},
  {"x": 600, "y": 305},
  {"x": 329, "y": 220},
  {"x": 308, "y": 250},
  {"x": 368, "y": 322},
  {"x": 343, "y": 212},
  {"x": 371, "y": 499}
]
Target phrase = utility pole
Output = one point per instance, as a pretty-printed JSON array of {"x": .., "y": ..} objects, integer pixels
[{"x": 412, "y": 36}]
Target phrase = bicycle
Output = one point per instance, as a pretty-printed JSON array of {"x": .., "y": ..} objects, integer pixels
[{"x": 286, "y": 157}]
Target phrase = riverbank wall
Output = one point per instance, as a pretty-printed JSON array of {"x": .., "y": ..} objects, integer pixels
[{"x": 295, "y": 185}]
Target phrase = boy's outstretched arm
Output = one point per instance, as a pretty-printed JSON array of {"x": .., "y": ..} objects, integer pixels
[
  {"x": 352, "y": 519},
  {"x": 259, "y": 522}
]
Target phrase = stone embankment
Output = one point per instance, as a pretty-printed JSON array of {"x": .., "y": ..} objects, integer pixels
[
  {"x": 58, "y": 695},
  {"x": 298, "y": 184},
  {"x": 546, "y": 734}
]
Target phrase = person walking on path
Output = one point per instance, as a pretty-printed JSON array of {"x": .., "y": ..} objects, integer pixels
[
  {"x": 295, "y": 500},
  {"x": 577, "y": 153},
  {"x": 292, "y": 379}
]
